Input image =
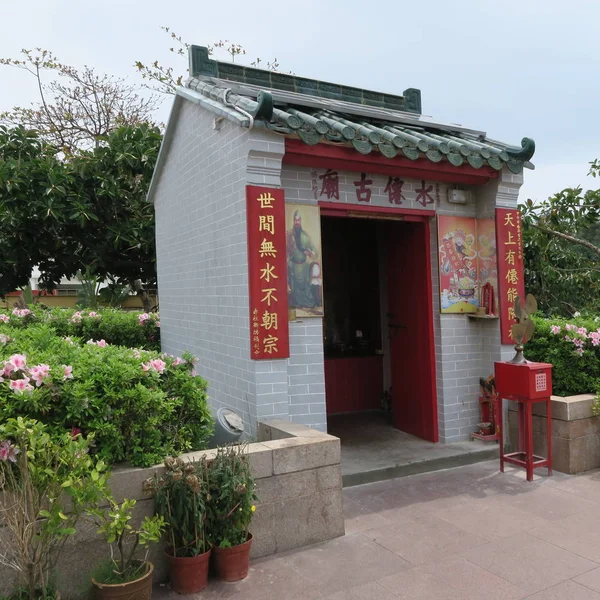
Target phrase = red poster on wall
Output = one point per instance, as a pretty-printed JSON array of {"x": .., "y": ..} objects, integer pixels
[
  {"x": 267, "y": 276},
  {"x": 511, "y": 282}
]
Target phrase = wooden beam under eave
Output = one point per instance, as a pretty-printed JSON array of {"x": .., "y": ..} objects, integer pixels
[{"x": 328, "y": 156}]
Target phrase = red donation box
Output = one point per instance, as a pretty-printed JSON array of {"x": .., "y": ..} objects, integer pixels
[{"x": 525, "y": 383}]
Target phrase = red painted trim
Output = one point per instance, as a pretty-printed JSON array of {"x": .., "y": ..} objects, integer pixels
[
  {"x": 338, "y": 209},
  {"x": 327, "y": 156},
  {"x": 432, "y": 372}
]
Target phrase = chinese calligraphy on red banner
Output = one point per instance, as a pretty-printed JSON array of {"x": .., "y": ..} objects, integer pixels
[
  {"x": 269, "y": 335},
  {"x": 511, "y": 281}
]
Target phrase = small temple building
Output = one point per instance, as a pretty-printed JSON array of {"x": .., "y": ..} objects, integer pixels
[{"x": 327, "y": 250}]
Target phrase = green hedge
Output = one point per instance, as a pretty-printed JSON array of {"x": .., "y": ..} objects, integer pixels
[
  {"x": 141, "y": 406},
  {"x": 576, "y": 360},
  {"x": 116, "y": 327}
]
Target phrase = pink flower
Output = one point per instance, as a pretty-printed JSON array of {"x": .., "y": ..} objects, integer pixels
[
  {"x": 21, "y": 312},
  {"x": 68, "y": 372},
  {"x": 8, "y": 369},
  {"x": 8, "y": 452},
  {"x": 4, "y": 318},
  {"x": 18, "y": 361},
  {"x": 143, "y": 318},
  {"x": 94, "y": 315},
  {"x": 39, "y": 373},
  {"x": 578, "y": 342},
  {"x": 570, "y": 327},
  {"x": 582, "y": 331},
  {"x": 102, "y": 344},
  {"x": 179, "y": 361},
  {"x": 69, "y": 340},
  {"x": 75, "y": 431},
  {"x": 555, "y": 329},
  {"x": 76, "y": 317},
  {"x": 567, "y": 338},
  {"x": 4, "y": 339},
  {"x": 156, "y": 364},
  {"x": 579, "y": 351},
  {"x": 20, "y": 386}
]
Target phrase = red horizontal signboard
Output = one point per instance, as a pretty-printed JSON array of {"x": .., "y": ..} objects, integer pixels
[
  {"x": 511, "y": 281},
  {"x": 267, "y": 274}
]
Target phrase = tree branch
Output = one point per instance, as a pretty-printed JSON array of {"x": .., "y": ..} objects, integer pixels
[{"x": 569, "y": 238}]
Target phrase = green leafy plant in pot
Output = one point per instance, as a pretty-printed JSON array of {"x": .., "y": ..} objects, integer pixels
[
  {"x": 180, "y": 497},
  {"x": 230, "y": 510},
  {"x": 125, "y": 575}
]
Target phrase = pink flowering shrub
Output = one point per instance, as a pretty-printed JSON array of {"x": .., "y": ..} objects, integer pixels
[
  {"x": 573, "y": 347},
  {"x": 140, "y": 405},
  {"x": 116, "y": 327}
]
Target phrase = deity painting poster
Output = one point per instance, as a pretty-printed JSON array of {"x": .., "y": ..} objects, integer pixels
[
  {"x": 457, "y": 246},
  {"x": 304, "y": 260}
]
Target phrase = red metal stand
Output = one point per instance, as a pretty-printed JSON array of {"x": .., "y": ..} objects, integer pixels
[{"x": 525, "y": 457}]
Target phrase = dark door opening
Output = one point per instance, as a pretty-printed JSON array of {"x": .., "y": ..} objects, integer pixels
[{"x": 378, "y": 334}]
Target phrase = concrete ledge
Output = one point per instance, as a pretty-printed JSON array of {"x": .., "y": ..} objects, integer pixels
[
  {"x": 299, "y": 485},
  {"x": 575, "y": 432}
]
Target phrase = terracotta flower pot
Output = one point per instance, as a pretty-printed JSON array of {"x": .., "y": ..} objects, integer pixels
[
  {"x": 140, "y": 589},
  {"x": 231, "y": 564},
  {"x": 188, "y": 574}
]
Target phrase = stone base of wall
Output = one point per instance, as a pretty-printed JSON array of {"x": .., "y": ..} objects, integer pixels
[
  {"x": 575, "y": 433},
  {"x": 299, "y": 485}
]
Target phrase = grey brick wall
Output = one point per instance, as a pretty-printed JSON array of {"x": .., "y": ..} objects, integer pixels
[
  {"x": 306, "y": 374},
  {"x": 201, "y": 239}
]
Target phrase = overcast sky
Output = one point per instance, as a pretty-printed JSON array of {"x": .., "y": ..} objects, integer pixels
[{"x": 510, "y": 68}]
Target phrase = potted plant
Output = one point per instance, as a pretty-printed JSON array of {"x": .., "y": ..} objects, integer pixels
[
  {"x": 125, "y": 575},
  {"x": 180, "y": 497},
  {"x": 230, "y": 510},
  {"x": 46, "y": 484}
]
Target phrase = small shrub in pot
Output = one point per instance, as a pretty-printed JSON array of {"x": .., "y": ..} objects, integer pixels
[
  {"x": 180, "y": 498},
  {"x": 230, "y": 511},
  {"x": 126, "y": 574}
]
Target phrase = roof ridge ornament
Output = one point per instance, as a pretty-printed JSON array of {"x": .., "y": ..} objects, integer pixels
[
  {"x": 524, "y": 153},
  {"x": 202, "y": 65}
]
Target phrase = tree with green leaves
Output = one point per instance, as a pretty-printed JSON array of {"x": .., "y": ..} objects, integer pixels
[
  {"x": 562, "y": 249},
  {"x": 83, "y": 213}
]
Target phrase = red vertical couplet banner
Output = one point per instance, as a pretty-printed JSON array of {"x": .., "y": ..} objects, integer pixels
[
  {"x": 511, "y": 279},
  {"x": 267, "y": 273}
]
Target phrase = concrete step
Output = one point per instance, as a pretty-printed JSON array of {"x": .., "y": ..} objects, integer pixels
[{"x": 480, "y": 451}]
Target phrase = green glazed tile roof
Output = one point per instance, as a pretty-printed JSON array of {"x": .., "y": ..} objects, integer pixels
[{"x": 352, "y": 122}]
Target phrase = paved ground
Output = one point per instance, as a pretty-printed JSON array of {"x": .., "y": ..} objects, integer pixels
[
  {"x": 372, "y": 450},
  {"x": 460, "y": 534}
]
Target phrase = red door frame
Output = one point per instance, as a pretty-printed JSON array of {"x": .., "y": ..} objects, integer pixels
[{"x": 338, "y": 209}]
